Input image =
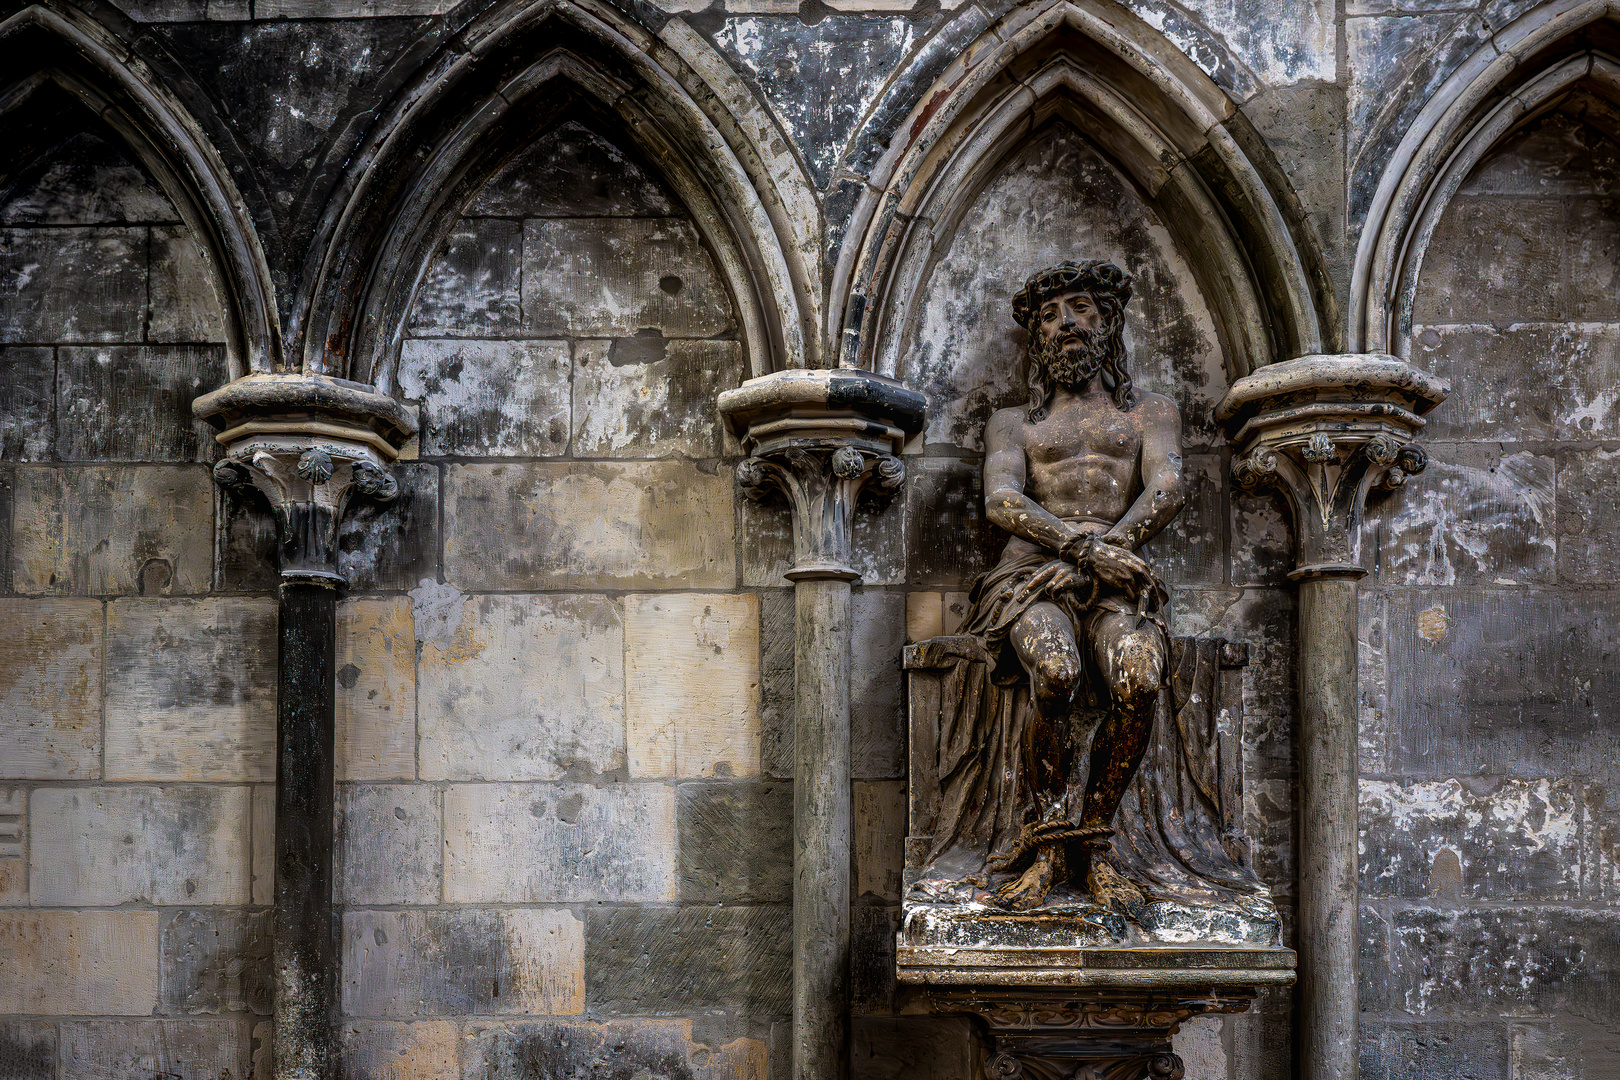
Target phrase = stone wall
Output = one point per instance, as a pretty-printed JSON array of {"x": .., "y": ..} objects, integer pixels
[{"x": 565, "y": 672}]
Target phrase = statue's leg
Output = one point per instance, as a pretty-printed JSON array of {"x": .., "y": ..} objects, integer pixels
[
  {"x": 1131, "y": 657},
  {"x": 1043, "y": 639}
]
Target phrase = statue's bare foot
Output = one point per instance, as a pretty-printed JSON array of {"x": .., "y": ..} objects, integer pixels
[
  {"x": 1029, "y": 890},
  {"x": 1113, "y": 889}
]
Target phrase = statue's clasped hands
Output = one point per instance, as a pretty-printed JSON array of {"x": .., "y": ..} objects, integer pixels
[{"x": 1108, "y": 561}]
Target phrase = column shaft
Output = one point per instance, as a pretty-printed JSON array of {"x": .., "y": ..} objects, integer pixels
[
  {"x": 306, "y": 933},
  {"x": 821, "y": 830},
  {"x": 1328, "y": 632}
]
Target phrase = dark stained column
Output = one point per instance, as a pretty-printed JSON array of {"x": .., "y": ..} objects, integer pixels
[
  {"x": 307, "y": 443},
  {"x": 1326, "y": 430}
]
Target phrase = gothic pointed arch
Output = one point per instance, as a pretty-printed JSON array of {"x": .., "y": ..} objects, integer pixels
[
  {"x": 1159, "y": 118},
  {"x": 53, "y": 49},
  {"x": 1528, "y": 69},
  {"x": 517, "y": 70}
]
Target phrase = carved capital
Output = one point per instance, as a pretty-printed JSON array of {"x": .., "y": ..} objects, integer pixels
[
  {"x": 822, "y": 438},
  {"x": 307, "y": 444},
  {"x": 1325, "y": 431}
]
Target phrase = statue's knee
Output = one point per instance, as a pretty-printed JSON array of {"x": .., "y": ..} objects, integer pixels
[
  {"x": 1057, "y": 676},
  {"x": 1138, "y": 666}
]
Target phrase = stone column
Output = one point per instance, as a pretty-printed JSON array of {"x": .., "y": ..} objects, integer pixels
[
  {"x": 820, "y": 438},
  {"x": 306, "y": 443},
  {"x": 1327, "y": 430}
]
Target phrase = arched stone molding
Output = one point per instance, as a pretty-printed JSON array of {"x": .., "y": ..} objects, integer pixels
[
  {"x": 507, "y": 77},
  {"x": 1523, "y": 72},
  {"x": 1153, "y": 111},
  {"x": 54, "y": 43}
]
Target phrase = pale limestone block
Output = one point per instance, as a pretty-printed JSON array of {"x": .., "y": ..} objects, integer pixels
[
  {"x": 395, "y": 1050},
  {"x": 376, "y": 690},
  {"x": 556, "y": 842},
  {"x": 107, "y": 530},
  {"x": 924, "y": 617},
  {"x": 50, "y": 689},
  {"x": 553, "y": 525},
  {"x": 522, "y": 688},
  {"x": 1201, "y": 1050},
  {"x": 79, "y": 963},
  {"x": 162, "y": 845},
  {"x": 389, "y": 844},
  {"x": 649, "y": 397},
  {"x": 449, "y": 963},
  {"x": 880, "y": 837},
  {"x": 166, "y": 1049},
  {"x": 264, "y": 844},
  {"x": 191, "y": 690},
  {"x": 489, "y": 398},
  {"x": 952, "y": 611},
  {"x": 692, "y": 684}
]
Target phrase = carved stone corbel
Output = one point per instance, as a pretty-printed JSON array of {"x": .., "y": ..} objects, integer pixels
[
  {"x": 1326, "y": 430},
  {"x": 821, "y": 438},
  {"x": 308, "y": 443}
]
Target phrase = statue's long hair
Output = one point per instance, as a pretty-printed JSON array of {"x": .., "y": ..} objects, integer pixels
[{"x": 1110, "y": 289}]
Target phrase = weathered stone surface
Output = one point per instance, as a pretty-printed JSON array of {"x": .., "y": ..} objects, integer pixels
[
  {"x": 877, "y": 541},
  {"x": 88, "y": 178},
  {"x": 27, "y": 403},
  {"x": 539, "y": 843},
  {"x": 612, "y": 277},
  {"x": 1527, "y": 960},
  {"x": 191, "y": 690},
  {"x": 649, "y": 396},
  {"x": 645, "y": 1049},
  {"x": 28, "y": 1050},
  {"x": 178, "y": 1049},
  {"x": 391, "y": 1050},
  {"x": 1475, "y": 516},
  {"x": 446, "y": 963},
  {"x": 1496, "y": 682},
  {"x": 79, "y": 963},
  {"x": 735, "y": 842},
  {"x": 675, "y": 961},
  {"x": 912, "y": 1048},
  {"x": 1261, "y": 539},
  {"x": 1451, "y": 841},
  {"x": 876, "y": 684},
  {"x": 519, "y": 687},
  {"x": 1411, "y": 1051},
  {"x": 777, "y": 628},
  {"x": 948, "y": 540},
  {"x": 572, "y": 172},
  {"x": 50, "y": 689},
  {"x": 381, "y": 546},
  {"x": 1192, "y": 549},
  {"x": 1481, "y": 263},
  {"x": 184, "y": 304},
  {"x": 643, "y": 525},
  {"x": 1057, "y": 198},
  {"x": 376, "y": 690},
  {"x": 1557, "y": 154},
  {"x": 1265, "y": 620},
  {"x": 1296, "y": 44},
  {"x": 471, "y": 287},
  {"x": 117, "y": 845},
  {"x": 489, "y": 398},
  {"x": 1262, "y": 1046},
  {"x": 73, "y": 284},
  {"x": 13, "y": 846},
  {"x": 1508, "y": 379},
  {"x": 872, "y": 934},
  {"x": 1298, "y": 123},
  {"x": 879, "y": 810},
  {"x": 389, "y": 845},
  {"x": 692, "y": 684},
  {"x": 99, "y": 531},
  {"x": 133, "y": 402},
  {"x": 1554, "y": 1050},
  {"x": 1269, "y": 808},
  {"x": 216, "y": 961},
  {"x": 264, "y": 844},
  {"x": 1200, "y": 1045},
  {"x": 1588, "y": 516}
]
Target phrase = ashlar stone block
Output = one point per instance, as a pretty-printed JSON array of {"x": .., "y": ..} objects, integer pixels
[
  {"x": 520, "y": 687},
  {"x": 133, "y": 402},
  {"x": 191, "y": 690},
  {"x": 692, "y": 684},
  {"x": 79, "y": 963},
  {"x": 376, "y": 690},
  {"x": 633, "y": 1048},
  {"x": 572, "y": 172},
  {"x": 123, "y": 531},
  {"x": 394, "y": 1050},
  {"x": 614, "y": 277},
  {"x": 172, "y": 1049},
  {"x": 185, "y": 303},
  {"x": 27, "y": 403},
  {"x": 736, "y": 842},
  {"x": 664, "y": 961},
  {"x": 471, "y": 288},
  {"x": 86, "y": 284},
  {"x": 28, "y": 1049},
  {"x": 50, "y": 689},
  {"x": 880, "y": 838},
  {"x": 489, "y": 398},
  {"x": 450, "y": 963},
  {"x": 559, "y": 843},
  {"x": 216, "y": 960},
  {"x": 389, "y": 845},
  {"x": 101, "y": 846},
  {"x": 636, "y": 525},
  {"x": 651, "y": 397}
]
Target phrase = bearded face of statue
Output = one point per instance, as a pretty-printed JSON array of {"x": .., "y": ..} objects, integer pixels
[{"x": 1071, "y": 339}]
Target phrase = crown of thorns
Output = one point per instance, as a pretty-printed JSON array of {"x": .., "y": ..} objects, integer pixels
[{"x": 1093, "y": 276}]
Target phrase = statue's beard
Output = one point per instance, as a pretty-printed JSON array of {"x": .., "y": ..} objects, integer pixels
[{"x": 1073, "y": 368}]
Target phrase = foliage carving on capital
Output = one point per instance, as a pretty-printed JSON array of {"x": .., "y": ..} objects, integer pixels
[{"x": 822, "y": 485}]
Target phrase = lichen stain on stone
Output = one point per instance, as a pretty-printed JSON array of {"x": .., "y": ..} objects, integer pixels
[{"x": 1432, "y": 624}]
